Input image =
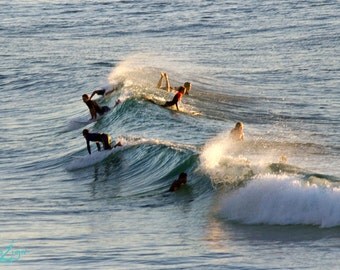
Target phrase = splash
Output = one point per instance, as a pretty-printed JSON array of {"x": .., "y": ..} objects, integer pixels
[
  {"x": 138, "y": 69},
  {"x": 223, "y": 161},
  {"x": 283, "y": 200},
  {"x": 232, "y": 163}
]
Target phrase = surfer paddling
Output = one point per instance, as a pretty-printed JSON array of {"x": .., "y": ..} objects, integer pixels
[
  {"x": 177, "y": 98},
  {"x": 103, "y": 138},
  {"x": 94, "y": 107},
  {"x": 237, "y": 133},
  {"x": 168, "y": 87}
]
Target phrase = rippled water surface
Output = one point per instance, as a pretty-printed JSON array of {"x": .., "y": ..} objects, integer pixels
[{"x": 274, "y": 65}]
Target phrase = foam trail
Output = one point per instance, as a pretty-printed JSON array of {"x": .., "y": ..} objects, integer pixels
[{"x": 283, "y": 200}]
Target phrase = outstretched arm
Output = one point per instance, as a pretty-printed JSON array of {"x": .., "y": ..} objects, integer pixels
[{"x": 93, "y": 93}]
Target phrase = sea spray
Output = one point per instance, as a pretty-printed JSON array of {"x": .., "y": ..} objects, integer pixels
[{"x": 222, "y": 160}]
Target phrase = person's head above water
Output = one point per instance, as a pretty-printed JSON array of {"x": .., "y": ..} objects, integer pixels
[
  {"x": 239, "y": 125},
  {"x": 182, "y": 178},
  {"x": 85, "y": 97},
  {"x": 85, "y": 132},
  {"x": 187, "y": 87}
]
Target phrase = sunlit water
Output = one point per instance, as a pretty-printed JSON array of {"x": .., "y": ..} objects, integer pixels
[{"x": 272, "y": 65}]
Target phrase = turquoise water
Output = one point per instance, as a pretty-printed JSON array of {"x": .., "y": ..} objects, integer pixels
[{"x": 272, "y": 65}]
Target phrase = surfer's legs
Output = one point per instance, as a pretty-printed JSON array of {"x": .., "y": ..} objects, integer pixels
[
  {"x": 100, "y": 92},
  {"x": 167, "y": 82},
  {"x": 104, "y": 109},
  {"x": 167, "y": 86},
  {"x": 114, "y": 88},
  {"x": 159, "y": 84},
  {"x": 117, "y": 144},
  {"x": 98, "y": 146},
  {"x": 169, "y": 103}
]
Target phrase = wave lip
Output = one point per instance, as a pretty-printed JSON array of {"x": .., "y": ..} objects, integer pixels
[{"x": 283, "y": 200}]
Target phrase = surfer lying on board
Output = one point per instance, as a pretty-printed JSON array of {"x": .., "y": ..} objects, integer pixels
[
  {"x": 94, "y": 107},
  {"x": 168, "y": 87},
  {"x": 181, "y": 181},
  {"x": 103, "y": 138},
  {"x": 237, "y": 132},
  {"x": 104, "y": 92},
  {"x": 177, "y": 98}
]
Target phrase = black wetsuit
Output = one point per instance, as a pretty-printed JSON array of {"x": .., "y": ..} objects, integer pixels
[
  {"x": 174, "y": 101},
  {"x": 177, "y": 184},
  {"x": 98, "y": 137},
  {"x": 100, "y": 92}
]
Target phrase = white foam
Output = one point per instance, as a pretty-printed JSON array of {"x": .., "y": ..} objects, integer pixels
[
  {"x": 222, "y": 160},
  {"x": 283, "y": 200}
]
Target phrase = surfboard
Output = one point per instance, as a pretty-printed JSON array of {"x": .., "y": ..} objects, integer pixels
[{"x": 88, "y": 160}]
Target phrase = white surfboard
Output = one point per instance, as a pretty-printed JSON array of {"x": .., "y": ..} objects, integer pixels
[{"x": 88, "y": 160}]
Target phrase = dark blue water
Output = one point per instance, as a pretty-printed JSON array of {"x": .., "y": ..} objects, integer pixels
[{"x": 272, "y": 65}]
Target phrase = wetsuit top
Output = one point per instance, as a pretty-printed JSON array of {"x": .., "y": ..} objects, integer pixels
[
  {"x": 177, "y": 97},
  {"x": 94, "y": 137}
]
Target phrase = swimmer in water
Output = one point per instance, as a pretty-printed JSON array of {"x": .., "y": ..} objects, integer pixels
[
  {"x": 237, "y": 133},
  {"x": 177, "y": 184}
]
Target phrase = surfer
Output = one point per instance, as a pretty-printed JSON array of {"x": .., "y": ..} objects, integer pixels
[
  {"x": 168, "y": 87},
  {"x": 94, "y": 107},
  {"x": 181, "y": 181},
  {"x": 103, "y": 138},
  {"x": 105, "y": 92},
  {"x": 118, "y": 101},
  {"x": 237, "y": 132},
  {"x": 177, "y": 98}
]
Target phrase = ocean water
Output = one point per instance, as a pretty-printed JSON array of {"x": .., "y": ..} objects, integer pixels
[{"x": 274, "y": 65}]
